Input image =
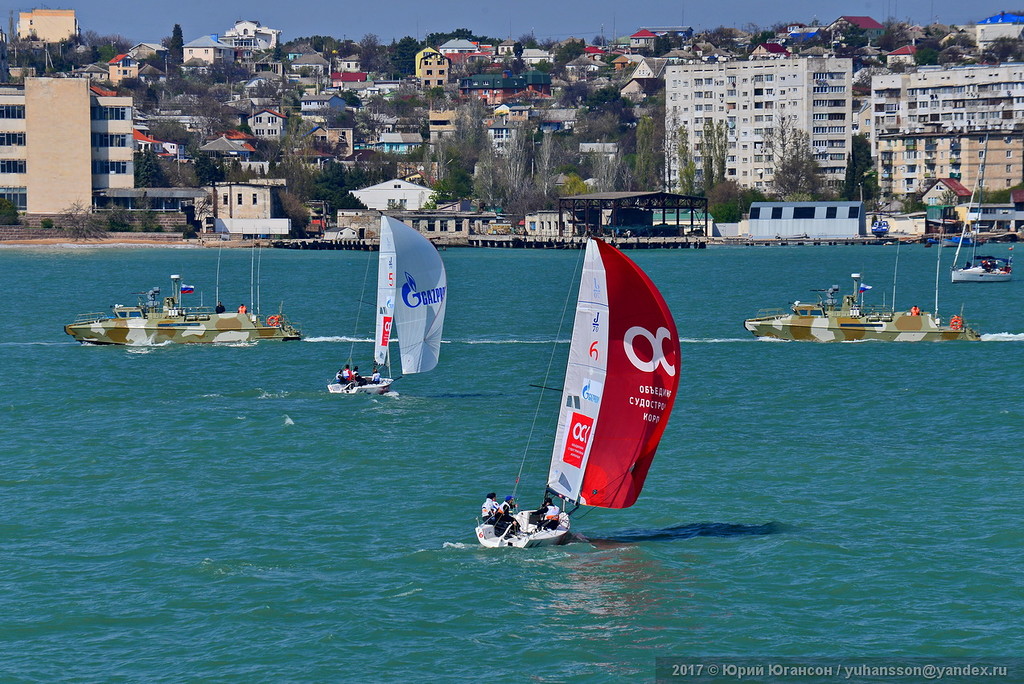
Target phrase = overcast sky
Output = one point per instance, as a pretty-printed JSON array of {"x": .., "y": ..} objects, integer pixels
[{"x": 151, "y": 20}]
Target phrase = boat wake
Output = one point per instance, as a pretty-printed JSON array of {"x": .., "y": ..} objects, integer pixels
[
  {"x": 692, "y": 530},
  {"x": 1002, "y": 337},
  {"x": 717, "y": 340},
  {"x": 337, "y": 338},
  {"x": 515, "y": 341}
]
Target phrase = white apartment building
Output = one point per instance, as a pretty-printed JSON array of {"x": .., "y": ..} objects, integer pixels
[
  {"x": 60, "y": 140},
  {"x": 751, "y": 97},
  {"x": 955, "y": 123}
]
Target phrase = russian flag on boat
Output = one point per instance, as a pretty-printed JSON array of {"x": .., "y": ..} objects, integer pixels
[
  {"x": 864, "y": 288},
  {"x": 187, "y": 289}
]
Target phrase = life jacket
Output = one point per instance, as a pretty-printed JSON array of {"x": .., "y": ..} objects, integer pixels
[
  {"x": 552, "y": 512},
  {"x": 346, "y": 374}
]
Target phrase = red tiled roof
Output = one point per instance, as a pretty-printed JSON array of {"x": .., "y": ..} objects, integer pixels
[
  {"x": 102, "y": 92},
  {"x": 956, "y": 186},
  {"x": 118, "y": 58},
  {"x": 239, "y": 135},
  {"x": 593, "y": 50},
  {"x": 271, "y": 111},
  {"x": 142, "y": 137},
  {"x": 1017, "y": 196},
  {"x": 905, "y": 50},
  {"x": 349, "y": 76},
  {"x": 774, "y": 47},
  {"x": 643, "y": 33},
  {"x": 863, "y": 22}
]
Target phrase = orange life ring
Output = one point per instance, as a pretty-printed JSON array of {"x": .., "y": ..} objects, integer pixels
[
  {"x": 956, "y": 323},
  {"x": 273, "y": 321}
]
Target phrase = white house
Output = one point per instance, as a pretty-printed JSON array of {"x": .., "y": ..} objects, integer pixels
[
  {"x": 394, "y": 194},
  {"x": 267, "y": 123},
  {"x": 251, "y": 35}
]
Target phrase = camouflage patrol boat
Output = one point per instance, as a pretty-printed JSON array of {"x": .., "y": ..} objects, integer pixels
[
  {"x": 153, "y": 322},
  {"x": 828, "y": 320}
]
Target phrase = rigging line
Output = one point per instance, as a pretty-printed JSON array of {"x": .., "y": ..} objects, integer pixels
[
  {"x": 551, "y": 360},
  {"x": 362, "y": 294}
]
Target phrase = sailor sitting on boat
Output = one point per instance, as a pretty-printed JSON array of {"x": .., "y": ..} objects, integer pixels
[
  {"x": 506, "y": 521},
  {"x": 548, "y": 514},
  {"x": 375, "y": 377},
  {"x": 344, "y": 375},
  {"x": 489, "y": 509}
]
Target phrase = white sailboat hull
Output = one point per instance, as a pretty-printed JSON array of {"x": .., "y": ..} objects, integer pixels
[
  {"x": 977, "y": 274},
  {"x": 530, "y": 537},
  {"x": 369, "y": 388}
]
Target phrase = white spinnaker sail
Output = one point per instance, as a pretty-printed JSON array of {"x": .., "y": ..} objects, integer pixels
[
  {"x": 386, "y": 282},
  {"x": 585, "y": 376},
  {"x": 419, "y": 301}
]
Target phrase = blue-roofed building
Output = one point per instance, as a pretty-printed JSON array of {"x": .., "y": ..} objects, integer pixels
[{"x": 1002, "y": 25}]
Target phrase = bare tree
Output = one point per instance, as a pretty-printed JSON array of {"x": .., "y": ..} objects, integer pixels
[
  {"x": 79, "y": 222},
  {"x": 796, "y": 173}
]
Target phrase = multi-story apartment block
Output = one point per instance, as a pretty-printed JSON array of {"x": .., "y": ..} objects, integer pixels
[
  {"x": 60, "y": 140},
  {"x": 751, "y": 98},
  {"x": 955, "y": 123},
  {"x": 431, "y": 68},
  {"x": 47, "y": 25}
]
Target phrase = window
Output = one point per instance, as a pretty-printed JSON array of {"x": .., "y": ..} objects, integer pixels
[
  {"x": 12, "y": 166},
  {"x": 103, "y": 167},
  {"x": 755, "y": 212},
  {"x": 12, "y": 139},
  {"x": 109, "y": 113},
  {"x": 854, "y": 212},
  {"x": 239, "y": 198},
  {"x": 109, "y": 140},
  {"x": 776, "y": 212},
  {"x": 12, "y": 111},
  {"x": 16, "y": 196},
  {"x": 224, "y": 201},
  {"x": 830, "y": 212},
  {"x": 254, "y": 198},
  {"x": 803, "y": 212}
]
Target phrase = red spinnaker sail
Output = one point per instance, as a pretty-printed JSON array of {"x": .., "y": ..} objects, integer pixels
[{"x": 643, "y": 376}]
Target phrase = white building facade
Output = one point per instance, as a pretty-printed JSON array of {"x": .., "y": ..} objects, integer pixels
[{"x": 751, "y": 98}]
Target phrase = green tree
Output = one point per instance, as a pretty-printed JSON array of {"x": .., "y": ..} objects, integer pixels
[
  {"x": 208, "y": 171},
  {"x": 649, "y": 158},
  {"x": 148, "y": 172},
  {"x": 457, "y": 184},
  {"x": 926, "y": 56},
  {"x": 714, "y": 146},
  {"x": 403, "y": 55},
  {"x": 687, "y": 183},
  {"x": 574, "y": 185},
  {"x": 860, "y": 179},
  {"x": 176, "y": 45},
  {"x": 8, "y": 213}
]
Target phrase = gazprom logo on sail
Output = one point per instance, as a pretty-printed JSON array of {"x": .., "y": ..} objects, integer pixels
[
  {"x": 413, "y": 297},
  {"x": 592, "y": 390},
  {"x": 576, "y": 440}
]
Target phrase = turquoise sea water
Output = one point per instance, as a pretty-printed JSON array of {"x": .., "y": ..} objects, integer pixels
[{"x": 213, "y": 514}]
